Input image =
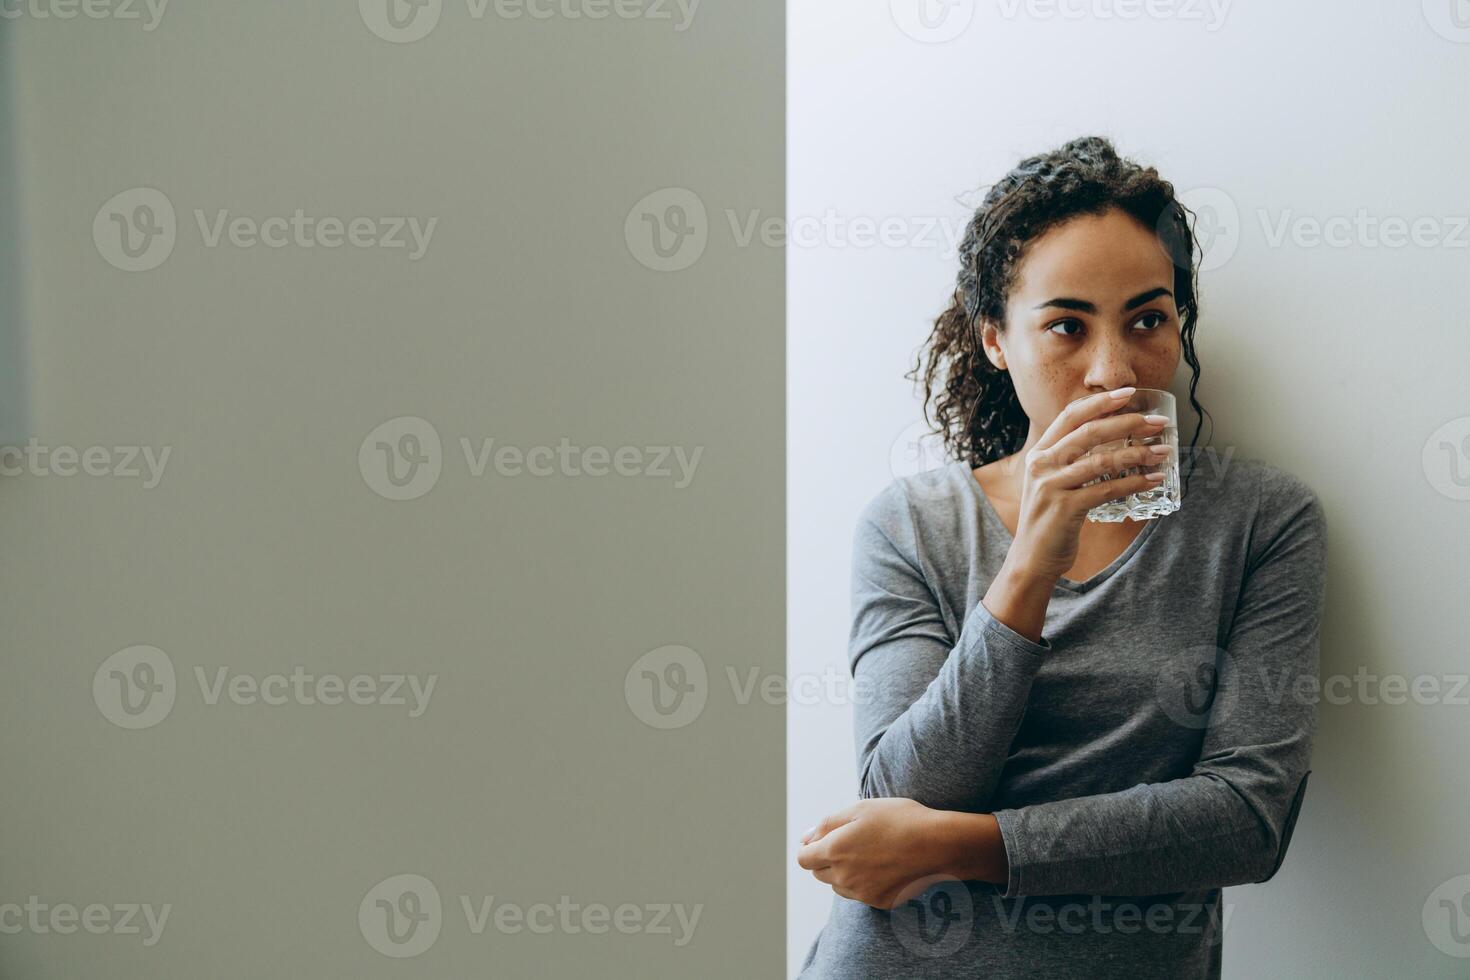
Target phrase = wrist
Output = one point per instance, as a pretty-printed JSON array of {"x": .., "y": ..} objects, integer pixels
[
  {"x": 971, "y": 847},
  {"x": 1019, "y": 598},
  {"x": 1021, "y": 577}
]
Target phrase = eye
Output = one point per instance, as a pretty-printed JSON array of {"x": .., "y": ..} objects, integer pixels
[
  {"x": 1059, "y": 323},
  {"x": 1160, "y": 319}
]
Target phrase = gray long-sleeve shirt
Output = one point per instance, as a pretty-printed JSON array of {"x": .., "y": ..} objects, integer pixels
[{"x": 1153, "y": 748}]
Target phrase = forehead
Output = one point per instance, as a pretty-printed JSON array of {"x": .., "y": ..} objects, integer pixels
[{"x": 1093, "y": 256}]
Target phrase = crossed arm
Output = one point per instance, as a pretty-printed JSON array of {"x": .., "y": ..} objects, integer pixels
[{"x": 940, "y": 716}]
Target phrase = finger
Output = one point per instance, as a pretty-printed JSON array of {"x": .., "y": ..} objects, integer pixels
[
  {"x": 1080, "y": 411},
  {"x": 1108, "y": 465},
  {"x": 812, "y": 856},
  {"x": 826, "y": 825},
  {"x": 1105, "y": 432},
  {"x": 825, "y": 875},
  {"x": 1101, "y": 493}
]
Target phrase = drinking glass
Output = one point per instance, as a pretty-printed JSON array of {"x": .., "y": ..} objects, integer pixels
[{"x": 1156, "y": 501}]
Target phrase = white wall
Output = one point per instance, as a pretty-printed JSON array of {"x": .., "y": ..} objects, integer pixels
[{"x": 1339, "y": 362}]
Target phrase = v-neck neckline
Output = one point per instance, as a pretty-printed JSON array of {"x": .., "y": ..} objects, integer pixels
[{"x": 1065, "y": 584}]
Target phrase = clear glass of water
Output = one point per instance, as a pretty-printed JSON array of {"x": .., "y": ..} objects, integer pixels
[{"x": 1155, "y": 501}]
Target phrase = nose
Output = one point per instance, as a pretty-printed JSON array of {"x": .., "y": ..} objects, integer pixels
[{"x": 1111, "y": 366}]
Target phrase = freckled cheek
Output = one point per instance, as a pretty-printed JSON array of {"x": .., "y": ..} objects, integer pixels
[{"x": 1163, "y": 355}]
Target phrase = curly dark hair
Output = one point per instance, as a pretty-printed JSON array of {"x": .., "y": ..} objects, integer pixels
[{"x": 976, "y": 409}]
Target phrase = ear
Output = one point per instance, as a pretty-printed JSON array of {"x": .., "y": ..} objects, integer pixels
[{"x": 990, "y": 335}]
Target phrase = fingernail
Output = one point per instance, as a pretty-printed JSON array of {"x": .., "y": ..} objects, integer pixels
[
  {"x": 1156, "y": 419},
  {"x": 807, "y": 834},
  {"x": 1122, "y": 392}
]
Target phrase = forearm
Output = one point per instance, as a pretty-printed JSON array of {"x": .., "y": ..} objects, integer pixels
[
  {"x": 972, "y": 847},
  {"x": 1191, "y": 833}
]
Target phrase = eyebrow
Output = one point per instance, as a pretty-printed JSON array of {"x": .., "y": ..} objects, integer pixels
[{"x": 1083, "y": 306}]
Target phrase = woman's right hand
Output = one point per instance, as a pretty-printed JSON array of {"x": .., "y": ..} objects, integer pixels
[{"x": 1054, "y": 502}]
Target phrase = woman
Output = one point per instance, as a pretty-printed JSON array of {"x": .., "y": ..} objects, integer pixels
[{"x": 1071, "y": 735}]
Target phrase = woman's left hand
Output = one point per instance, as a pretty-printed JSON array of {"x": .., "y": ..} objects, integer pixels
[{"x": 880, "y": 852}]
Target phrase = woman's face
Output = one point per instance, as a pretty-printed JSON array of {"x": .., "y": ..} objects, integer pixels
[{"x": 1091, "y": 309}]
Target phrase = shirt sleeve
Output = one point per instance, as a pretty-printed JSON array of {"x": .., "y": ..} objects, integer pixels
[
  {"x": 934, "y": 716},
  {"x": 1230, "y": 820}
]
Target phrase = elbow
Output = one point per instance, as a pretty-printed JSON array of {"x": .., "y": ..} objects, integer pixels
[
  {"x": 1275, "y": 853},
  {"x": 870, "y": 786},
  {"x": 878, "y": 779},
  {"x": 874, "y": 785}
]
